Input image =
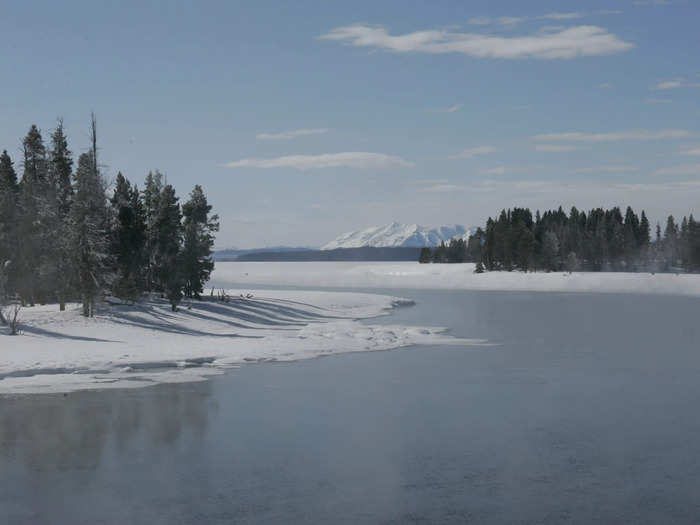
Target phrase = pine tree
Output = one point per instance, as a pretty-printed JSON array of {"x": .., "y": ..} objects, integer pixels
[
  {"x": 426, "y": 255},
  {"x": 57, "y": 269},
  {"x": 199, "y": 229},
  {"x": 127, "y": 240},
  {"x": 88, "y": 233},
  {"x": 32, "y": 204},
  {"x": 151, "y": 196},
  {"x": 9, "y": 194},
  {"x": 168, "y": 256},
  {"x": 670, "y": 243},
  {"x": 550, "y": 251}
]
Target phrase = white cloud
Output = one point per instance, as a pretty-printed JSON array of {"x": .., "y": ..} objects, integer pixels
[
  {"x": 652, "y": 2},
  {"x": 669, "y": 84},
  {"x": 479, "y": 21},
  {"x": 350, "y": 159},
  {"x": 555, "y": 147},
  {"x": 287, "y": 135},
  {"x": 685, "y": 169},
  {"x": 561, "y": 16},
  {"x": 692, "y": 151},
  {"x": 470, "y": 153},
  {"x": 607, "y": 169},
  {"x": 431, "y": 181},
  {"x": 500, "y": 170},
  {"x": 513, "y": 20},
  {"x": 568, "y": 43},
  {"x": 605, "y": 85},
  {"x": 510, "y": 20},
  {"x": 674, "y": 84},
  {"x": 641, "y": 134},
  {"x": 451, "y": 109},
  {"x": 443, "y": 188}
]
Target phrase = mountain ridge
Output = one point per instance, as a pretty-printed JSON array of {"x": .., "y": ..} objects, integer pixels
[{"x": 398, "y": 235}]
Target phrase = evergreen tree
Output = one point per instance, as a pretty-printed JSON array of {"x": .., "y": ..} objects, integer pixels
[
  {"x": 128, "y": 240},
  {"x": 670, "y": 243},
  {"x": 199, "y": 229},
  {"x": 9, "y": 193},
  {"x": 151, "y": 197},
  {"x": 426, "y": 255},
  {"x": 61, "y": 169},
  {"x": 167, "y": 256},
  {"x": 32, "y": 223},
  {"x": 550, "y": 251},
  {"x": 57, "y": 270},
  {"x": 88, "y": 216}
]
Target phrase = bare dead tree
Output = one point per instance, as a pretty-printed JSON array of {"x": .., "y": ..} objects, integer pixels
[{"x": 13, "y": 318}]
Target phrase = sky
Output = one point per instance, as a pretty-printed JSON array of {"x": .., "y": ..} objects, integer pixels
[{"x": 303, "y": 120}]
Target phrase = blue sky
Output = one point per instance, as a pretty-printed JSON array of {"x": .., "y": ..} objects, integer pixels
[{"x": 304, "y": 119}]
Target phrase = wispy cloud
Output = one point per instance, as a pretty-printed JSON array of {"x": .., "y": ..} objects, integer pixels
[
  {"x": 692, "y": 151},
  {"x": 513, "y": 20},
  {"x": 659, "y": 101},
  {"x": 555, "y": 148},
  {"x": 288, "y": 135},
  {"x": 443, "y": 188},
  {"x": 668, "y": 84},
  {"x": 685, "y": 169},
  {"x": 652, "y": 2},
  {"x": 510, "y": 20},
  {"x": 674, "y": 84},
  {"x": 500, "y": 170},
  {"x": 566, "y": 44},
  {"x": 470, "y": 153},
  {"x": 641, "y": 134},
  {"x": 479, "y": 21},
  {"x": 561, "y": 16},
  {"x": 607, "y": 169},
  {"x": 350, "y": 159},
  {"x": 451, "y": 109},
  {"x": 430, "y": 181}
]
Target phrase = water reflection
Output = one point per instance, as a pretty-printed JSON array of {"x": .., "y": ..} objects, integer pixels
[{"x": 57, "y": 432}]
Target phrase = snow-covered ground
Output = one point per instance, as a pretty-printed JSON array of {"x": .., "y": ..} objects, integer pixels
[
  {"x": 132, "y": 346},
  {"x": 411, "y": 275}
]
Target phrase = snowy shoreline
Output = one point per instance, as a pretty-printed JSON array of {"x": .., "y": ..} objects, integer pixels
[
  {"x": 140, "y": 345},
  {"x": 411, "y": 275}
]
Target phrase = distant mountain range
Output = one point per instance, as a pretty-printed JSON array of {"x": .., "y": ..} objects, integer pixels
[
  {"x": 396, "y": 235},
  {"x": 393, "y": 242}
]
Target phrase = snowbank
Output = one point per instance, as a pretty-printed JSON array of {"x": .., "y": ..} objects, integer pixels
[
  {"x": 133, "y": 346},
  {"x": 444, "y": 276}
]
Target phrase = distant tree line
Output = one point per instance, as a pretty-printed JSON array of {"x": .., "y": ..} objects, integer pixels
[
  {"x": 602, "y": 240},
  {"x": 65, "y": 237}
]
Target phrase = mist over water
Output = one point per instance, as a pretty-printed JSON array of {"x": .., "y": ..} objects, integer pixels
[{"x": 584, "y": 411}]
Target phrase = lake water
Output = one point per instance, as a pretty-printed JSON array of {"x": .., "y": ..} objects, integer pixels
[{"x": 585, "y": 410}]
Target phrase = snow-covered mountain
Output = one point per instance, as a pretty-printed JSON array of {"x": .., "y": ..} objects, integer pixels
[{"x": 398, "y": 235}]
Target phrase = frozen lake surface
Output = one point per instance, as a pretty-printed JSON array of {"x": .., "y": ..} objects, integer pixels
[{"x": 585, "y": 411}]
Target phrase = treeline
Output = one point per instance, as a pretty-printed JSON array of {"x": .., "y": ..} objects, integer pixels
[
  {"x": 65, "y": 237},
  {"x": 601, "y": 240}
]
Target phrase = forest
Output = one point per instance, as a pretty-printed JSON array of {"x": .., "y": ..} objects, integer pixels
[
  {"x": 600, "y": 240},
  {"x": 67, "y": 234}
]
